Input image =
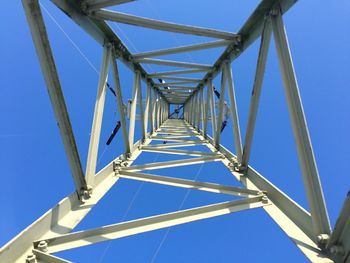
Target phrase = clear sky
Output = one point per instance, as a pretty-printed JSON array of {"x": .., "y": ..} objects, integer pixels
[{"x": 35, "y": 173}]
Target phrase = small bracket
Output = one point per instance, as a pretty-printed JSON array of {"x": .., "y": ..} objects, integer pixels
[{"x": 85, "y": 194}]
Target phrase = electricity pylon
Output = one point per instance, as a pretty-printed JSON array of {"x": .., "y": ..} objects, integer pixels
[{"x": 54, "y": 231}]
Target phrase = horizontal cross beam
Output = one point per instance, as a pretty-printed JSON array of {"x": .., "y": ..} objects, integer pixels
[
  {"x": 161, "y": 25},
  {"x": 175, "y": 72},
  {"x": 203, "y": 186},
  {"x": 172, "y": 63},
  {"x": 169, "y": 164},
  {"x": 97, "y": 4},
  {"x": 114, "y": 231},
  {"x": 176, "y": 50}
]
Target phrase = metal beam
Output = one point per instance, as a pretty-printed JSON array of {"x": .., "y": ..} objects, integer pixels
[
  {"x": 42, "y": 257},
  {"x": 307, "y": 161},
  {"x": 180, "y": 78},
  {"x": 176, "y": 50},
  {"x": 133, "y": 108},
  {"x": 175, "y": 72},
  {"x": 48, "y": 68},
  {"x": 173, "y": 63},
  {"x": 234, "y": 113},
  {"x": 202, "y": 186},
  {"x": 97, "y": 119},
  {"x": 221, "y": 109},
  {"x": 97, "y": 4},
  {"x": 249, "y": 32},
  {"x": 89, "y": 237},
  {"x": 339, "y": 242},
  {"x": 119, "y": 99},
  {"x": 161, "y": 25},
  {"x": 167, "y": 84},
  {"x": 294, "y": 220},
  {"x": 147, "y": 108},
  {"x": 101, "y": 32},
  {"x": 257, "y": 86},
  {"x": 169, "y": 164},
  {"x": 177, "y": 152},
  {"x": 212, "y": 108}
]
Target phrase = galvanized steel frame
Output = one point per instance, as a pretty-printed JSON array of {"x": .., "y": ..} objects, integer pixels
[{"x": 310, "y": 232}]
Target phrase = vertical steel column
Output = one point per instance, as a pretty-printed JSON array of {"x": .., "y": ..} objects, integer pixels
[
  {"x": 147, "y": 107},
  {"x": 254, "y": 102},
  {"x": 119, "y": 99},
  {"x": 233, "y": 108},
  {"x": 206, "y": 108},
  {"x": 301, "y": 134},
  {"x": 153, "y": 112},
  {"x": 221, "y": 109},
  {"x": 198, "y": 111},
  {"x": 195, "y": 109},
  {"x": 98, "y": 115},
  {"x": 202, "y": 107},
  {"x": 48, "y": 68},
  {"x": 142, "y": 114},
  {"x": 212, "y": 109},
  {"x": 192, "y": 110},
  {"x": 133, "y": 109}
]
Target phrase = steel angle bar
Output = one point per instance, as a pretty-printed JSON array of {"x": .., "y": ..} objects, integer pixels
[
  {"x": 178, "y": 87},
  {"x": 119, "y": 99},
  {"x": 167, "y": 84},
  {"x": 202, "y": 107},
  {"x": 257, "y": 86},
  {"x": 181, "y": 49},
  {"x": 221, "y": 109},
  {"x": 212, "y": 108},
  {"x": 97, "y": 119},
  {"x": 147, "y": 108},
  {"x": 307, "y": 161},
  {"x": 48, "y": 68},
  {"x": 89, "y": 237},
  {"x": 142, "y": 114},
  {"x": 101, "y": 32},
  {"x": 180, "y": 78},
  {"x": 169, "y": 164},
  {"x": 176, "y": 136},
  {"x": 294, "y": 220},
  {"x": 234, "y": 112},
  {"x": 97, "y": 4},
  {"x": 206, "y": 115},
  {"x": 133, "y": 108},
  {"x": 42, "y": 257},
  {"x": 202, "y": 186},
  {"x": 162, "y": 138},
  {"x": 175, "y": 72},
  {"x": 172, "y": 63},
  {"x": 161, "y": 25},
  {"x": 175, "y": 92},
  {"x": 249, "y": 32},
  {"x": 65, "y": 216},
  {"x": 339, "y": 242},
  {"x": 177, "y": 152}
]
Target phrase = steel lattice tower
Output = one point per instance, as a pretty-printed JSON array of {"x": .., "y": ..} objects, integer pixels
[{"x": 54, "y": 231}]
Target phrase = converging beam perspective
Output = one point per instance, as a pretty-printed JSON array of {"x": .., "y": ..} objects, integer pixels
[{"x": 178, "y": 113}]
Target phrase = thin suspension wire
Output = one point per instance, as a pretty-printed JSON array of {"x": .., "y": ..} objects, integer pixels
[
  {"x": 88, "y": 61},
  {"x": 69, "y": 38},
  {"x": 156, "y": 253},
  {"x": 126, "y": 213}
]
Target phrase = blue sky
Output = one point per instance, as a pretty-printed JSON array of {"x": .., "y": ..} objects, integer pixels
[{"x": 35, "y": 173}]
